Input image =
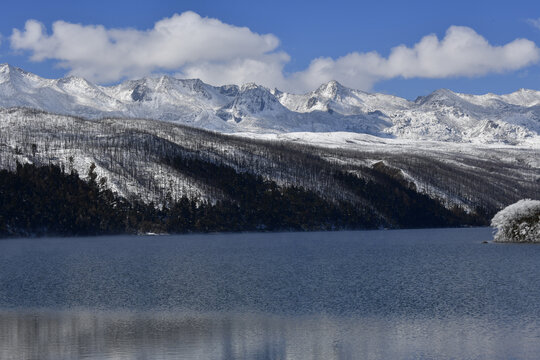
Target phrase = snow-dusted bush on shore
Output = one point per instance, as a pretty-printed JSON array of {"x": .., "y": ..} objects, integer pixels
[{"x": 519, "y": 222}]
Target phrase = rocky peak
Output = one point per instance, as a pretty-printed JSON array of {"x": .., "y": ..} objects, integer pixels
[
  {"x": 439, "y": 97},
  {"x": 7, "y": 71},
  {"x": 331, "y": 89}
]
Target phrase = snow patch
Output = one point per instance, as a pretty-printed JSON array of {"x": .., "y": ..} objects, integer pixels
[{"x": 519, "y": 222}]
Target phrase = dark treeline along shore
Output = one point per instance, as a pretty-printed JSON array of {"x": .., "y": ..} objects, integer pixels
[
  {"x": 65, "y": 175},
  {"x": 45, "y": 200}
]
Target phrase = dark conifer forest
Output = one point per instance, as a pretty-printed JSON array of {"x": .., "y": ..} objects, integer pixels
[{"x": 46, "y": 200}]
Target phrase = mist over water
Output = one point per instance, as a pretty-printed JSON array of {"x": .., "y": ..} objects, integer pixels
[{"x": 419, "y": 294}]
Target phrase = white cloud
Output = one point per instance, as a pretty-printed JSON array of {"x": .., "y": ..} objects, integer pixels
[
  {"x": 266, "y": 69},
  {"x": 102, "y": 54},
  {"x": 462, "y": 52},
  {"x": 534, "y": 22},
  {"x": 220, "y": 53}
]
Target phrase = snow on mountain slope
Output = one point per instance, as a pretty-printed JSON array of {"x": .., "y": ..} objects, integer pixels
[
  {"x": 448, "y": 159},
  {"x": 334, "y": 97},
  {"x": 441, "y": 116},
  {"x": 190, "y": 102},
  {"x": 448, "y": 116},
  {"x": 257, "y": 109},
  {"x": 130, "y": 154},
  {"x": 70, "y": 95},
  {"x": 522, "y": 97}
]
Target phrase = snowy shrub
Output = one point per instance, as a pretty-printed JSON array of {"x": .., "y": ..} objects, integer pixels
[{"x": 519, "y": 222}]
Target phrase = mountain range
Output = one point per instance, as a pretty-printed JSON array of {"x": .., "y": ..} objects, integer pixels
[
  {"x": 251, "y": 109},
  {"x": 332, "y": 158}
]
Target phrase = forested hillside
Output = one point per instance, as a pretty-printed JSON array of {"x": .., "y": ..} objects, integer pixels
[
  {"x": 45, "y": 200},
  {"x": 158, "y": 176}
]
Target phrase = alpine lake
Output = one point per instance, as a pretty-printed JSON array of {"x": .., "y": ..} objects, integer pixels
[{"x": 388, "y": 294}]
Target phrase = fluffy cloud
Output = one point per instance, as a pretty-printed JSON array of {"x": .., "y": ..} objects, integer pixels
[
  {"x": 102, "y": 54},
  {"x": 220, "y": 53},
  {"x": 266, "y": 70},
  {"x": 462, "y": 52}
]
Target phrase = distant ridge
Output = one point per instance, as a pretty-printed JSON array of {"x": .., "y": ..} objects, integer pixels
[{"x": 440, "y": 116}]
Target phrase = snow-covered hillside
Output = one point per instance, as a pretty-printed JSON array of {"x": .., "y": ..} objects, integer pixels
[
  {"x": 131, "y": 154},
  {"x": 519, "y": 222},
  {"x": 252, "y": 109}
]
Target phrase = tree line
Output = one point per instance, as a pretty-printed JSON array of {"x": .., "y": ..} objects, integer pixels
[{"x": 48, "y": 200}]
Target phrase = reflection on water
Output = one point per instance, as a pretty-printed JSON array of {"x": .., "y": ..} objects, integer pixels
[
  {"x": 116, "y": 335},
  {"x": 415, "y": 294}
]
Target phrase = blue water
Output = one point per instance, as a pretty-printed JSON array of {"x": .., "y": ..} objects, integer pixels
[{"x": 408, "y": 294}]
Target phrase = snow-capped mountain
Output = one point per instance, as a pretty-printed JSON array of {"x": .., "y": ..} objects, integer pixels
[
  {"x": 441, "y": 116},
  {"x": 334, "y": 97}
]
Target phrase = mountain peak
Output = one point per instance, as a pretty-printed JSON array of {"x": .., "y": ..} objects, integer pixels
[
  {"x": 5, "y": 67},
  {"x": 526, "y": 91},
  {"x": 330, "y": 89},
  {"x": 249, "y": 86},
  {"x": 7, "y": 72},
  {"x": 74, "y": 79},
  {"x": 4, "y": 72},
  {"x": 333, "y": 83},
  {"x": 442, "y": 92},
  {"x": 442, "y": 115},
  {"x": 251, "y": 99},
  {"x": 439, "y": 95}
]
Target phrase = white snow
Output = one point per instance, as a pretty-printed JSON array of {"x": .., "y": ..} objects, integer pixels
[
  {"x": 441, "y": 116},
  {"x": 455, "y": 129},
  {"x": 128, "y": 152},
  {"x": 519, "y": 222}
]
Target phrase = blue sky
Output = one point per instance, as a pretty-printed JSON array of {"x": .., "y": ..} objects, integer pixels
[{"x": 302, "y": 32}]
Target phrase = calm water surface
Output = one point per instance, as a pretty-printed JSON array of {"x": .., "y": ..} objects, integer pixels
[{"x": 408, "y": 294}]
